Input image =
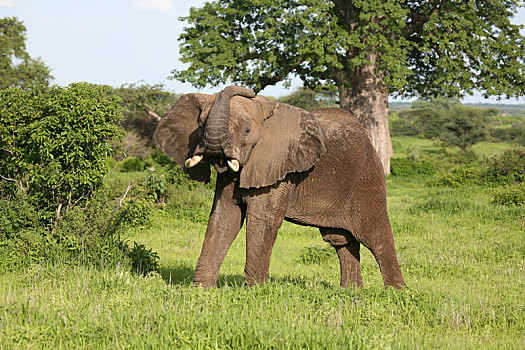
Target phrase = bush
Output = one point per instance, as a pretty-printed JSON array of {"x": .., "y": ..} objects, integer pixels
[
  {"x": 156, "y": 186},
  {"x": 514, "y": 133},
  {"x": 509, "y": 168},
  {"x": 136, "y": 212},
  {"x": 407, "y": 166},
  {"x": 142, "y": 260},
  {"x": 464, "y": 127},
  {"x": 510, "y": 195},
  {"x": 131, "y": 164},
  {"x": 316, "y": 255},
  {"x": 54, "y": 143},
  {"x": 469, "y": 175},
  {"x": 85, "y": 235}
]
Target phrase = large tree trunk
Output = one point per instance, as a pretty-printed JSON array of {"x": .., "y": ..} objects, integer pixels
[
  {"x": 361, "y": 89},
  {"x": 362, "y": 93}
]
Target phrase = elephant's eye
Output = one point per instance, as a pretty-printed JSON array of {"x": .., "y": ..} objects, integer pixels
[{"x": 247, "y": 130}]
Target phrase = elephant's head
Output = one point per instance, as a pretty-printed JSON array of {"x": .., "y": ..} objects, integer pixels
[{"x": 261, "y": 139}]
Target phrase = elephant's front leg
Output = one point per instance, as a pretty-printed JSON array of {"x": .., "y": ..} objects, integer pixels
[
  {"x": 223, "y": 226},
  {"x": 266, "y": 209}
]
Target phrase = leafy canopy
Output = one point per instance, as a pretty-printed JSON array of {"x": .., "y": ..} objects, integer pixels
[
  {"x": 447, "y": 48},
  {"x": 17, "y": 68}
]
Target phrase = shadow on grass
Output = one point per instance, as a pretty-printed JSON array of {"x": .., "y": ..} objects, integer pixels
[
  {"x": 177, "y": 274},
  {"x": 302, "y": 282},
  {"x": 180, "y": 273},
  {"x": 183, "y": 274}
]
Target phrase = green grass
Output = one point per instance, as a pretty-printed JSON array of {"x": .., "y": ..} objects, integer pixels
[
  {"x": 463, "y": 259},
  {"x": 409, "y": 145}
]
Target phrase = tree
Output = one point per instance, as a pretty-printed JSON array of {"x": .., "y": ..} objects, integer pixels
[
  {"x": 142, "y": 107},
  {"x": 17, "y": 68},
  {"x": 428, "y": 114},
  {"x": 54, "y": 142},
  {"x": 465, "y": 126},
  {"x": 368, "y": 49},
  {"x": 310, "y": 99}
]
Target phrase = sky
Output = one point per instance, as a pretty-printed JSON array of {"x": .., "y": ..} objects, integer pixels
[{"x": 121, "y": 41}]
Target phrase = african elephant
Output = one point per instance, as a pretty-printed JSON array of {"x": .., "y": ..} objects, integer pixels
[{"x": 277, "y": 162}]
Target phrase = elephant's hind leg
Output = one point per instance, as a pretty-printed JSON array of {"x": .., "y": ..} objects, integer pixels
[
  {"x": 347, "y": 248},
  {"x": 374, "y": 232}
]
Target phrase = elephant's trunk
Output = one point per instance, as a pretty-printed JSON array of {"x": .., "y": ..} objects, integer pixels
[{"x": 217, "y": 139}]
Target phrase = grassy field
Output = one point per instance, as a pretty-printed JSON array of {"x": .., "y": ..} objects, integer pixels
[{"x": 463, "y": 259}]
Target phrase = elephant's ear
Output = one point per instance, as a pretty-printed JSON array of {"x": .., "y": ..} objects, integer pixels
[
  {"x": 178, "y": 132},
  {"x": 291, "y": 140}
]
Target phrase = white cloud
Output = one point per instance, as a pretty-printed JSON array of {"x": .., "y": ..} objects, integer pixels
[
  {"x": 163, "y": 6},
  {"x": 10, "y": 3}
]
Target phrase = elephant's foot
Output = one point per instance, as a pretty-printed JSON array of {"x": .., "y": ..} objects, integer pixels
[
  {"x": 204, "y": 280},
  {"x": 252, "y": 279},
  {"x": 198, "y": 284}
]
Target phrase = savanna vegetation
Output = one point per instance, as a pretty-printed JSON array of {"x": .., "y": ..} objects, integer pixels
[
  {"x": 100, "y": 232},
  {"x": 115, "y": 270}
]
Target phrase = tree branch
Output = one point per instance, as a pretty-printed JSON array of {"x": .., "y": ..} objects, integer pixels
[
  {"x": 18, "y": 183},
  {"x": 121, "y": 201},
  {"x": 150, "y": 112}
]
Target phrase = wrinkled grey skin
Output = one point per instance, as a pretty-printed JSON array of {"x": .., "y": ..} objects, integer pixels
[{"x": 316, "y": 169}]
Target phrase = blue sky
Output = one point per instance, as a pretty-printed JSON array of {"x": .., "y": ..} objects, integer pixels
[{"x": 117, "y": 41}]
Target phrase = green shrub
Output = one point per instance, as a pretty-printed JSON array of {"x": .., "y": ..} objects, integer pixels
[
  {"x": 136, "y": 212},
  {"x": 162, "y": 159},
  {"x": 407, "y": 166},
  {"x": 510, "y": 195},
  {"x": 513, "y": 133},
  {"x": 86, "y": 235},
  {"x": 54, "y": 143},
  {"x": 468, "y": 175},
  {"x": 131, "y": 164},
  {"x": 464, "y": 127},
  {"x": 156, "y": 186},
  {"x": 509, "y": 168},
  {"x": 316, "y": 255},
  {"x": 142, "y": 260}
]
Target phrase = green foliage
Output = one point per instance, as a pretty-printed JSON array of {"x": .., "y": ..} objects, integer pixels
[
  {"x": 136, "y": 212},
  {"x": 156, "y": 186},
  {"x": 54, "y": 142},
  {"x": 508, "y": 168},
  {"x": 399, "y": 126},
  {"x": 512, "y": 133},
  {"x": 317, "y": 255},
  {"x": 87, "y": 235},
  {"x": 510, "y": 195},
  {"x": 465, "y": 175},
  {"x": 310, "y": 99},
  {"x": 143, "y": 260},
  {"x": 407, "y": 166},
  {"x": 261, "y": 42},
  {"x": 17, "y": 68},
  {"x": 464, "y": 127},
  {"x": 142, "y": 107},
  {"x": 131, "y": 164}
]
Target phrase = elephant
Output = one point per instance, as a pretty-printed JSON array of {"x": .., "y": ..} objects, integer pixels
[{"x": 278, "y": 162}]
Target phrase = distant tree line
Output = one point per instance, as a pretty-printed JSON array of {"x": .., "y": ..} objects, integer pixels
[{"x": 456, "y": 124}]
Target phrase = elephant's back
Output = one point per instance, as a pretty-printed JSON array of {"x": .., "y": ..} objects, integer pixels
[{"x": 327, "y": 194}]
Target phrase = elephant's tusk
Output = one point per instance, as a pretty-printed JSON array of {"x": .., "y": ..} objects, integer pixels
[
  {"x": 191, "y": 162},
  {"x": 234, "y": 165}
]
